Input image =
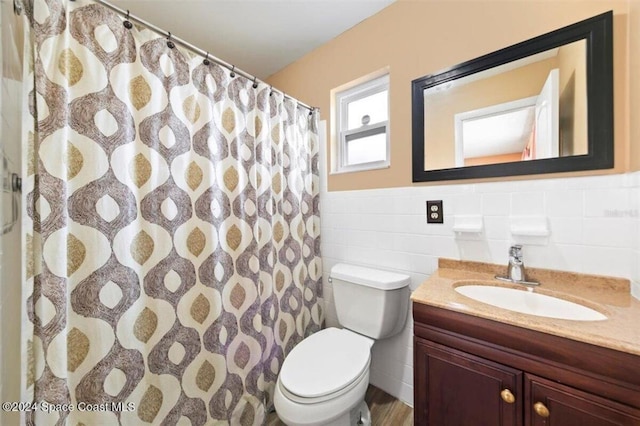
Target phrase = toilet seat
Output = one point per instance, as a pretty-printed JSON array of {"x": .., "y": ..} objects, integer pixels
[
  {"x": 327, "y": 397},
  {"x": 325, "y": 365}
]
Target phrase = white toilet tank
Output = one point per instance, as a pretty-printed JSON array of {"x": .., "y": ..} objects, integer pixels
[{"x": 370, "y": 301}]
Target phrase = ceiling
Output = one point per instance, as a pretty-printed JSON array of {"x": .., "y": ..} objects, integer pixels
[{"x": 258, "y": 36}]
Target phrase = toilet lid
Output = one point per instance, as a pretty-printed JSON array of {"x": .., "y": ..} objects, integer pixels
[{"x": 324, "y": 363}]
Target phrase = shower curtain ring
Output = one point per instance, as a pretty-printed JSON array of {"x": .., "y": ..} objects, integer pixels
[
  {"x": 206, "y": 59},
  {"x": 255, "y": 84},
  {"x": 233, "y": 74},
  {"x": 127, "y": 24},
  {"x": 270, "y": 90},
  {"x": 170, "y": 44}
]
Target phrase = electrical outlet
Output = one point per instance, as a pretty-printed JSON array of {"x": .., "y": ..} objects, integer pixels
[{"x": 434, "y": 211}]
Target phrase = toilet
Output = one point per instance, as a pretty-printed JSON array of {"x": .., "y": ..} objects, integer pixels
[{"x": 324, "y": 378}]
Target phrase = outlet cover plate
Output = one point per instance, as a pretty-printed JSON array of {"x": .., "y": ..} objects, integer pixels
[{"x": 434, "y": 211}]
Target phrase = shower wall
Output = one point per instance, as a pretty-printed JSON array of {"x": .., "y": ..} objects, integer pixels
[{"x": 10, "y": 244}]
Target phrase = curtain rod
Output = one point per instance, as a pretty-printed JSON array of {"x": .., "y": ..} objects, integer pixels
[{"x": 196, "y": 49}]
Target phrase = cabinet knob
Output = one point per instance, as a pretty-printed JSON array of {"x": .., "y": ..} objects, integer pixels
[
  {"x": 507, "y": 396},
  {"x": 541, "y": 409}
]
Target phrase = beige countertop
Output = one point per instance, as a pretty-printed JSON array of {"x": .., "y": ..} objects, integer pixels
[{"x": 610, "y": 296}]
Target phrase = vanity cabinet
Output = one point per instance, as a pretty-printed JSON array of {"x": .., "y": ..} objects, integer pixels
[
  {"x": 474, "y": 371},
  {"x": 461, "y": 389}
]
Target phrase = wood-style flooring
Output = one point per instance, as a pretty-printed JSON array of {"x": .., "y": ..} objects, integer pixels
[{"x": 385, "y": 410}]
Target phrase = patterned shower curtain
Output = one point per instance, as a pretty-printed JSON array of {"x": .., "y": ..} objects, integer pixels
[{"x": 172, "y": 228}]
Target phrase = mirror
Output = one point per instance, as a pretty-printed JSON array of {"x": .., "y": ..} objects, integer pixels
[{"x": 541, "y": 106}]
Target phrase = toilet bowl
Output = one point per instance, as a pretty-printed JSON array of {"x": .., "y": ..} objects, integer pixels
[{"x": 324, "y": 378}]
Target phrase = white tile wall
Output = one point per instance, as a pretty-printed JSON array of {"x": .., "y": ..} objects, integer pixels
[
  {"x": 635, "y": 203},
  {"x": 593, "y": 221}
]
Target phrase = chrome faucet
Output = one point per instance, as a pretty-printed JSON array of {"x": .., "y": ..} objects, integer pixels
[{"x": 515, "y": 269}]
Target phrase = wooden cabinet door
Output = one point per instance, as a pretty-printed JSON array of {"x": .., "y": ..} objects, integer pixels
[
  {"x": 551, "y": 404},
  {"x": 453, "y": 388}
]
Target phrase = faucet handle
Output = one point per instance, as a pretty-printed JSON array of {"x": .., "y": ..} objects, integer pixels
[{"x": 516, "y": 251}]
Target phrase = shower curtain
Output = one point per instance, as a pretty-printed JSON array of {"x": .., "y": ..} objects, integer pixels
[{"x": 171, "y": 229}]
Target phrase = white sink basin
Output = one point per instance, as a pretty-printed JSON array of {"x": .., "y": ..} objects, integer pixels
[{"x": 528, "y": 302}]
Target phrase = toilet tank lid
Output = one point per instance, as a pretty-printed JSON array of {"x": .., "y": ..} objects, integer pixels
[{"x": 383, "y": 280}]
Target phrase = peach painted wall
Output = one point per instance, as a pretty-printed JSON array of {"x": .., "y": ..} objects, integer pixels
[
  {"x": 634, "y": 66},
  {"x": 418, "y": 37},
  {"x": 493, "y": 159}
]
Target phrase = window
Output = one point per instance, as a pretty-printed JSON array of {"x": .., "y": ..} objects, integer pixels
[{"x": 362, "y": 123}]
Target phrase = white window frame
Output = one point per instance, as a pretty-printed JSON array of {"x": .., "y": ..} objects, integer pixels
[{"x": 342, "y": 101}]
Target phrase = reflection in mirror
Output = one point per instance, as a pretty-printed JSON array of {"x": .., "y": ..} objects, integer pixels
[
  {"x": 532, "y": 108},
  {"x": 543, "y": 105}
]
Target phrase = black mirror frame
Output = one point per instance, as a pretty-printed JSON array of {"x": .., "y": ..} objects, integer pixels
[{"x": 598, "y": 33}]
